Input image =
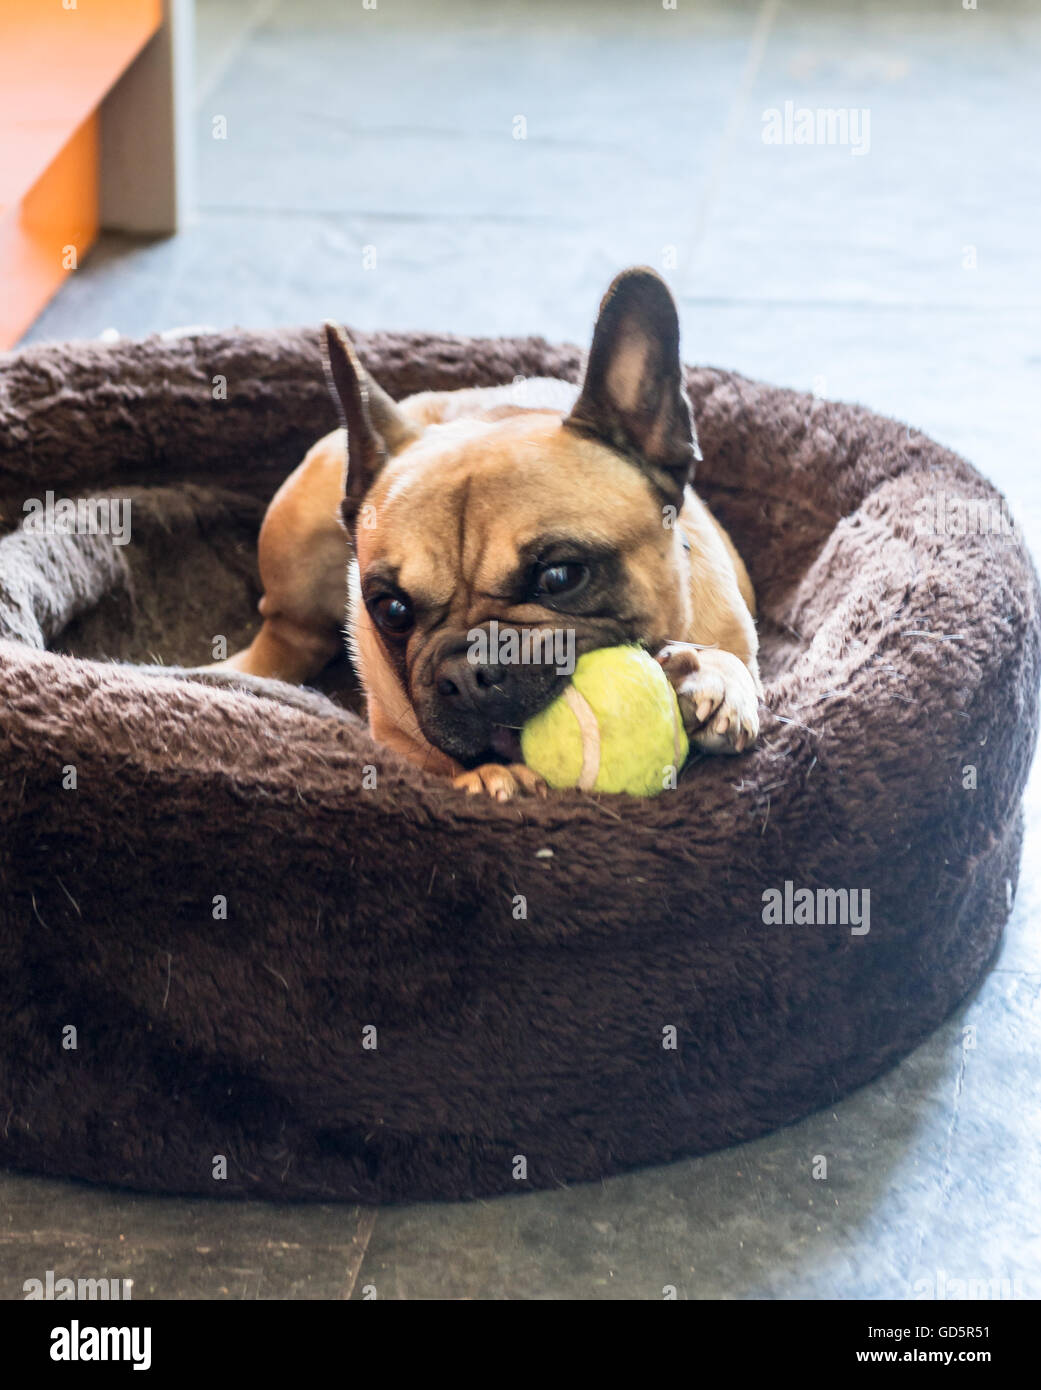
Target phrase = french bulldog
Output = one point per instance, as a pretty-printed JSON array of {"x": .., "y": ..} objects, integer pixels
[{"x": 553, "y": 507}]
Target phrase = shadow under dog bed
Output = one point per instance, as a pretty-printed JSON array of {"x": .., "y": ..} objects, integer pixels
[{"x": 291, "y": 976}]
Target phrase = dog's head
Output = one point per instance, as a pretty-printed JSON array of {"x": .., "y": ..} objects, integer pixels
[{"x": 492, "y": 551}]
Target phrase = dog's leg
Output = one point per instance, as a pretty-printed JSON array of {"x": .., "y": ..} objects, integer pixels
[
  {"x": 285, "y": 649},
  {"x": 715, "y": 671},
  {"x": 303, "y": 552}
]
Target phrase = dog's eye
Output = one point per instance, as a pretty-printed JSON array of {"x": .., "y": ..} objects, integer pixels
[
  {"x": 554, "y": 580},
  {"x": 393, "y": 614}
]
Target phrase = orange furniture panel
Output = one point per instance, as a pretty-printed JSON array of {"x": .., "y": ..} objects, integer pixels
[
  {"x": 56, "y": 66},
  {"x": 45, "y": 236}
]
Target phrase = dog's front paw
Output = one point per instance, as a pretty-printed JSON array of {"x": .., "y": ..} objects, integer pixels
[
  {"x": 501, "y": 781},
  {"x": 717, "y": 696}
]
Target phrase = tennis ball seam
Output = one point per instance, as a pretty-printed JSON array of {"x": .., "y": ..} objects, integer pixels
[{"x": 589, "y": 732}]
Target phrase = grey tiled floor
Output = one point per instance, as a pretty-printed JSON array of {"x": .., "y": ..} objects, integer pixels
[{"x": 809, "y": 266}]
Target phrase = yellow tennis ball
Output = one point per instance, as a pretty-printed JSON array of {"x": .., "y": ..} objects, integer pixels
[{"x": 616, "y": 728}]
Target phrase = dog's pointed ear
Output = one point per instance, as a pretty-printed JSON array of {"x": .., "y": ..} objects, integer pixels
[
  {"x": 376, "y": 428},
  {"x": 633, "y": 397}
]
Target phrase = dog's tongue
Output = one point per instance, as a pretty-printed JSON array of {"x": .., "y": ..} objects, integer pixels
[{"x": 506, "y": 743}]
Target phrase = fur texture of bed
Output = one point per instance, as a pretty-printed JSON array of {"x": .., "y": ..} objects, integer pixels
[{"x": 296, "y": 966}]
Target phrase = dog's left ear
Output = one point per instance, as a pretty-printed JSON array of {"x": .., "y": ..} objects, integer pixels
[
  {"x": 376, "y": 428},
  {"x": 633, "y": 397}
]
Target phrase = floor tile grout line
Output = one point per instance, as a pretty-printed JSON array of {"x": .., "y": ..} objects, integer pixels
[
  {"x": 362, "y": 1236},
  {"x": 760, "y": 303},
  {"x": 262, "y": 12},
  {"x": 761, "y": 31}
]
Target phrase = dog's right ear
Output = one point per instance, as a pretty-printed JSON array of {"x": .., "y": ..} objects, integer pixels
[
  {"x": 376, "y": 428},
  {"x": 633, "y": 397}
]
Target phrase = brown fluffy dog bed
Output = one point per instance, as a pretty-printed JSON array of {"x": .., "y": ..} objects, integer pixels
[{"x": 894, "y": 660}]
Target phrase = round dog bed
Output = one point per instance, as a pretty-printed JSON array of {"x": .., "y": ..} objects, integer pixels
[{"x": 247, "y": 951}]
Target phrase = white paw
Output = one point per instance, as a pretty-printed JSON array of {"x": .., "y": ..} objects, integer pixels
[{"x": 717, "y": 696}]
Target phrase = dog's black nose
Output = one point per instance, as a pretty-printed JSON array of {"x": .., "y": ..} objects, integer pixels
[{"x": 471, "y": 685}]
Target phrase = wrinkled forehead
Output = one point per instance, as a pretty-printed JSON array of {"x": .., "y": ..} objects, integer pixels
[{"x": 471, "y": 500}]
